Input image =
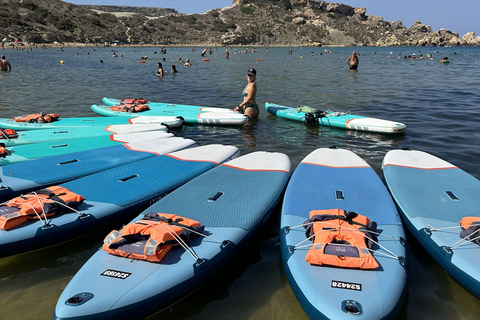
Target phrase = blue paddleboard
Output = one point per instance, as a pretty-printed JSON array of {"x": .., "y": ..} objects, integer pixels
[
  {"x": 113, "y": 195},
  {"x": 30, "y": 175},
  {"x": 433, "y": 196},
  {"x": 339, "y": 120},
  {"x": 170, "y": 121},
  {"x": 232, "y": 201},
  {"x": 190, "y": 114},
  {"x": 339, "y": 179},
  {"x": 45, "y": 135},
  {"x": 53, "y": 148}
]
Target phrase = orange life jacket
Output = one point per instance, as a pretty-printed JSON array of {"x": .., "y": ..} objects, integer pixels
[
  {"x": 339, "y": 239},
  {"x": 37, "y": 118},
  {"x": 152, "y": 237},
  {"x": 133, "y": 108},
  {"x": 8, "y": 134},
  {"x": 45, "y": 202},
  {"x": 470, "y": 229},
  {"x": 134, "y": 101},
  {"x": 3, "y": 152}
]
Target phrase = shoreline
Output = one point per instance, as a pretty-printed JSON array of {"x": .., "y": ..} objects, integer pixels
[{"x": 83, "y": 45}]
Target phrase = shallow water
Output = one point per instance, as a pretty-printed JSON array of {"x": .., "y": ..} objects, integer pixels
[{"x": 438, "y": 103}]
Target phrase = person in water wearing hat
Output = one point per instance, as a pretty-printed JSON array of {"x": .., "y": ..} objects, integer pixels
[
  {"x": 249, "y": 106},
  {"x": 4, "y": 64}
]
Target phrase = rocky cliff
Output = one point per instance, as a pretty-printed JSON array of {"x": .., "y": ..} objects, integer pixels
[{"x": 246, "y": 22}]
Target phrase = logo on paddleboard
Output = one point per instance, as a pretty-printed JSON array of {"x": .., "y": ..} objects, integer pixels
[
  {"x": 346, "y": 285},
  {"x": 115, "y": 274}
]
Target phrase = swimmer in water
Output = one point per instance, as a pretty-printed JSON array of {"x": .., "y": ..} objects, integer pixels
[{"x": 352, "y": 61}]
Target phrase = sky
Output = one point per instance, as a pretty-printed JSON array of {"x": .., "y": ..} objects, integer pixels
[{"x": 460, "y": 16}]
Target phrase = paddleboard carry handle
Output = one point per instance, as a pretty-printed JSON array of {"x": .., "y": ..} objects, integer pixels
[
  {"x": 67, "y": 162},
  {"x": 215, "y": 196}
]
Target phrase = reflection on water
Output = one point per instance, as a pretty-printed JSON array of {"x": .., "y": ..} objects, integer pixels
[{"x": 438, "y": 103}]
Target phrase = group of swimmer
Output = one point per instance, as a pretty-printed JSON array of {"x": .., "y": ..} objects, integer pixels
[
  {"x": 248, "y": 106},
  {"x": 160, "y": 72}
]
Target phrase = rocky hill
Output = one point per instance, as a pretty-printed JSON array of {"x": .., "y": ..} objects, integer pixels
[{"x": 246, "y": 22}]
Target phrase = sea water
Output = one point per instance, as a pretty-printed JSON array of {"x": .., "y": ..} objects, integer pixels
[{"x": 438, "y": 103}]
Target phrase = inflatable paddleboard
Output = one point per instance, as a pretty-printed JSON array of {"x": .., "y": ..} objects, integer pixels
[
  {"x": 169, "y": 121},
  {"x": 159, "y": 105},
  {"x": 31, "y": 175},
  {"x": 44, "y": 135},
  {"x": 53, "y": 148},
  {"x": 232, "y": 201},
  {"x": 190, "y": 114},
  {"x": 113, "y": 195},
  {"x": 433, "y": 196},
  {"x": 339, "y": 120},
  {"x": 332, "y": 285}
]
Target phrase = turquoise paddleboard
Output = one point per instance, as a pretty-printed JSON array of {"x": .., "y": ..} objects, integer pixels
[
  {"x": 433, "y": 197},
  {"x": 52, "y": 148},
  {"x": 44, "y": 135},
  {"x": 339, "y": 179},
  {"x": 339, "y": 120},
  {"x": 170, "y": 121},
  {"x": 31, "y": 175},
  {"x": 190, "y": 114},
  {"x": 232, "y": 201},
  {"x": 112, "y": 196}
]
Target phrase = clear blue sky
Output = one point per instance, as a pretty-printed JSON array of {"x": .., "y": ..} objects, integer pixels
[{"x": 459, "y": 16}]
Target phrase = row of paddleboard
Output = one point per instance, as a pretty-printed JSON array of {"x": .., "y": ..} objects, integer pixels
[
  {"x": 196, "y": 114},
  {"x": 173, "y": 115},
  {"x": 202, "y": 183}
]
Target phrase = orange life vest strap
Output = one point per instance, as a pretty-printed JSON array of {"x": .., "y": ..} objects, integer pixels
[
  {"x": 340, "y": 239},
  {"x": 43, "y": 203},
  {"x": 151, "y": 238}
]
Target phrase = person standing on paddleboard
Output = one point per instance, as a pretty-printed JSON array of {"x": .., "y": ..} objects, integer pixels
[
  {"x": 249, "y": 106},
  {"x": 352, "y": 61}
]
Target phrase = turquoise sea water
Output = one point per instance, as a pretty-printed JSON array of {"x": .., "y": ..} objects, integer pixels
[{"x": 439, "y": 104}]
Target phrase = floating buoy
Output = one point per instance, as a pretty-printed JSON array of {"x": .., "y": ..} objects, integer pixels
[
  {"x": 301, "y": 57},
  {"x": 142, "y": 61},
  {"x": 62, "y": 62},
  {"x": 259, "y": 59},
  {"x": 206, "y": 60}
]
